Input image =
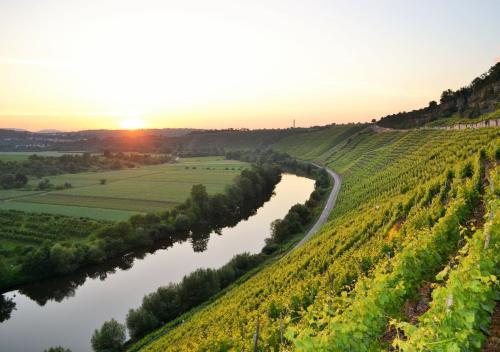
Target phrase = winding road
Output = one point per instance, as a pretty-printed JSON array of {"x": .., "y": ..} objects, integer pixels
[{"x": 330, "y": 203}]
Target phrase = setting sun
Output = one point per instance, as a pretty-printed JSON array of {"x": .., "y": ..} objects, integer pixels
[{"x": 132, "y": 124}]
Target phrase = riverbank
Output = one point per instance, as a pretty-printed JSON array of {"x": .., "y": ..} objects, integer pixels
[
  {"x": 195, "y": 219},
  {"x": 111, "y": 292},
  {"x": 322, "y": 212}
]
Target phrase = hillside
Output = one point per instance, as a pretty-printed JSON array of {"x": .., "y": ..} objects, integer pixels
[
  {"x": 468, "y": 103},
  {"x": 411, "y": 206},
  {"x": 159, "y": 140}
]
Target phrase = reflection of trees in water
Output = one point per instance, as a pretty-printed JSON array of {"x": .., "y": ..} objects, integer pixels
[
  {"x": 7, "y": 305},
  {"x": 60, "y": 288},
  {"x": 57, "y": 289}
]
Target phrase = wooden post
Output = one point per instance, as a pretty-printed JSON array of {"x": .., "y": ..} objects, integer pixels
[
  {"x": 256, "y": 335},
  {"x": 281, "y": 327},
  {"x": 242, "y": 331}
]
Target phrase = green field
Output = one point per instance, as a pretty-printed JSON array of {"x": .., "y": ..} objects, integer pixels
[
  {"x": 20, "y": 156},
  {"x": 126, "y": 192}
]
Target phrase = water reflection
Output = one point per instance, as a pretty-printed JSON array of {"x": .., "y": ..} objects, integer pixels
[
  {"x": 7, "y": 305},
  {"x": 59, "y": 288},
  {"x": 77, "y": 304}
]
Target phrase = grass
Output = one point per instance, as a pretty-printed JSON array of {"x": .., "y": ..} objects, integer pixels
[
  {"x": 20, "y": 156},
  {"x": 139, "y": 190},
  {"x": 75, "y": 211}
]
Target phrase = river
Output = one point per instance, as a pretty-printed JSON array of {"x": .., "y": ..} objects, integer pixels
[{"x": 66, "y": 311}]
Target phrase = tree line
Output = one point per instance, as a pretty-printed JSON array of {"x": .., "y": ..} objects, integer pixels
[
  {"x": 470, "y": 101},
  {"x": 169, "y": 302},
  {"x": 15, "y": 174},
  {"x": 194, "y": 219}
]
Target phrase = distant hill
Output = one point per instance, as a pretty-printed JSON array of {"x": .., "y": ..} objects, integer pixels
[
  {"x": 15, "y": 129},
  {"x": 183, "y": 141},
  {"x": 168, "y": 132},
  {"x": 481, "y": 96},
  {"x": 49, "y": 131}
]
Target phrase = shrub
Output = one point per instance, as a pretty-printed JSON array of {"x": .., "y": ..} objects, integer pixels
[
  {"x": 110, "y": 338},
  {"x": 140, "y": 321}
]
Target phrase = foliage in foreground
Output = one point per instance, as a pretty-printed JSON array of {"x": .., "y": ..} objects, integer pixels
[
  {"x": 402, "y": 191},
  {"x": 109, "y": 338},
  {"x": 196, "y": 218},
  {"x": 171, "y": 301}
]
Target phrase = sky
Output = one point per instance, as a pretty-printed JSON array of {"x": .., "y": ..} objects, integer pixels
[{"x": 72, "y": 65}]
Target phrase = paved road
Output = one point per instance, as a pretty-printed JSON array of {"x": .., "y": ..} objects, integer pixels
[{"x": 330, "y": 203}]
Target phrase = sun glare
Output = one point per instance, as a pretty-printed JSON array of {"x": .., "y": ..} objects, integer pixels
[{"x": 132, "y": 124}]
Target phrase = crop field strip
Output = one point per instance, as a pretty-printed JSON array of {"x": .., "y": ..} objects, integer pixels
[
  {"x": 397, "y": 187},
  {"x": 26, "y": 228},
  {"x": 20, "y": 156},
  {"x": 126, "y": 192}
]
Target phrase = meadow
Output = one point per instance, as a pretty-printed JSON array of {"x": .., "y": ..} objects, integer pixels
[
  {"x": 115, "y": 195},
  {"x": 20, "y": 156}
]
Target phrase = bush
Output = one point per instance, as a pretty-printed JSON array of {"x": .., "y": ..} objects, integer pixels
[
  {"x": 110, "y": 338},
  {"x": 140, "y": 321},
  {"x": 44, "y": 185},
  {"x": 57, "y": 349}
]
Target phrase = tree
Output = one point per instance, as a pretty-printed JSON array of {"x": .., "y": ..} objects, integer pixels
[
  {"x": 44, "y": 185},
  {"x": 63, "y": 259},
  {"x": 181, "y": 223},
  {"x": 446, "y": 96},
  {"x": 140, "y": 321},
  {"x": 199, "y": 194},
  {"x": 21, "y": 180},
  {"x": 7, "y": 181},
  {"x": 57, "y": 349},
  {"x": 164, "y": 303},
  {"x": 110, "y": 338},
  {"x": 7, "y": 305}
]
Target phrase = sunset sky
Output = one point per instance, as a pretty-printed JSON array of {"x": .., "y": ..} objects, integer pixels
[{"x": 90, "y": 64}]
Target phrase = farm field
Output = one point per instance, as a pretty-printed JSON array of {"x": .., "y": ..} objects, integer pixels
[
  {"x": 20, "y": 156},
  {"x": 125, "y": 192}
]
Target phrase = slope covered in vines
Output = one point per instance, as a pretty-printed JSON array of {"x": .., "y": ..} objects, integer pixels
[{"x": 403, "y": 212}]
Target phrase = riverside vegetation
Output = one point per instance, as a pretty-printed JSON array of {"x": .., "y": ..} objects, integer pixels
[
  {"x": 62, "y": 249},
  {"x": 408, "y": 204},
  {"x": 15, "y": 173},
  {"x": 170, "y": 302},
  {"x": 119, "y": 194},
  {"x": 407, "y": 261}
]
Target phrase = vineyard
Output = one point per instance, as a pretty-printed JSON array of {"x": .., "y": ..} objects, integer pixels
[
  {"x": 22, "y": 232},
  {"x": 408, "y": 260}
]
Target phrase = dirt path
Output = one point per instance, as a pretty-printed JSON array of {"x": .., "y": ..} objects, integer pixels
[{"x": 330, "y": 203}]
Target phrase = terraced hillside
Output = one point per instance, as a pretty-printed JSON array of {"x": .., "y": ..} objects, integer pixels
[{"x": 409, "y": 220}]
